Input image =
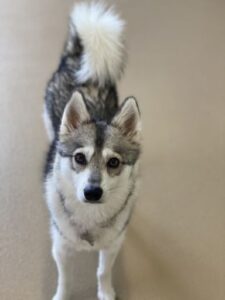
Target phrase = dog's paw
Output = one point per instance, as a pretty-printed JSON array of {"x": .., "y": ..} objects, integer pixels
[
  {"x": 60, "y": 297},
  {"x": 57, "y": 297},
  {"x": 106, "y": 294}
]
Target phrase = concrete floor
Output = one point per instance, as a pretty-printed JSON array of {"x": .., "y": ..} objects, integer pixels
[{"x": 175, "y": 248}]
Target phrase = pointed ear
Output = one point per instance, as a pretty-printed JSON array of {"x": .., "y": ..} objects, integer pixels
[
  {"x": 127, "y": 118},
  {"x": 75, "y": 113}
]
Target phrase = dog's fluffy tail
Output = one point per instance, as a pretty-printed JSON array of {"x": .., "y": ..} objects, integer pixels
[{"x": 100, "y": 31}]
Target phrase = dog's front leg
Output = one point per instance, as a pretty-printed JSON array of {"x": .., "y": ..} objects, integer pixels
[
  {"x": 64, "y": 258},
  {"x": 107, "y": 258}
]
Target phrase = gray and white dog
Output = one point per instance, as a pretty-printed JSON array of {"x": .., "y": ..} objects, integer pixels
[{"x": 92, "y": 166}]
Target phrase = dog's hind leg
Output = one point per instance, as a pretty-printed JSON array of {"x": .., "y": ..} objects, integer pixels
[{"x": 107, "y": 258}]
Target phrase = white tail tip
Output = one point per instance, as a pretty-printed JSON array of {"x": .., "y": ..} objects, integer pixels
[{"x": 101, "y": 32}]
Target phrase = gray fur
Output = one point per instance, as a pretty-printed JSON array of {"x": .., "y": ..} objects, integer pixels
[
  {"x": 83, "y": 136},
  {"x": 88, "y": 131},
  {"x": 87, "y": 237},
  {"x": 95, "y": 177},
  {"x": 128, "y": 149}
]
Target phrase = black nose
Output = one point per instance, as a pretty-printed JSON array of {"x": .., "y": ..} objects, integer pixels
[{"x": 93, "y": 193}]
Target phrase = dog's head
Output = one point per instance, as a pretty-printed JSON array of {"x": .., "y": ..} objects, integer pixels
[{"x": 97, "y": 160}]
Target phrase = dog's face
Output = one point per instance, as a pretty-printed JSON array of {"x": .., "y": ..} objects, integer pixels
[{"x": 96, "y": 160}]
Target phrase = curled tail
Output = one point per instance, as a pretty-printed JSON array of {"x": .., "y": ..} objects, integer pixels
[
  {"x": 100, "y": 31},
  {"x": 94, "y": 53}
]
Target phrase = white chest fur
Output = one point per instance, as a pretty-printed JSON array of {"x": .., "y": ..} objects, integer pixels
[{"x": 88, "y": 226}]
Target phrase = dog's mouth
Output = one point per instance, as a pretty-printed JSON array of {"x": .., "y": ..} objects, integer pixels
[{"x": 93, "y": 202}]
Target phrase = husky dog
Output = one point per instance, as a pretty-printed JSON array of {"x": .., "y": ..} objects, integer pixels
[{"x": 92, "y": 164}]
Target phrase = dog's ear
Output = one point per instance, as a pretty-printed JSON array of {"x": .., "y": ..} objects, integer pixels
[
  {"x": 127, "y": 119},
  {"x": 75, "y": 113}
]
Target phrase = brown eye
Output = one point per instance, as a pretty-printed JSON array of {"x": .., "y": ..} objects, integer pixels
[
  {"x": 80, "y": 159},
  {"x": 113, "y": 163}
]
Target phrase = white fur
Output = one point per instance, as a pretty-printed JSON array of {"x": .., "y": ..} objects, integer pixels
[
  {"x": 65, "y": 258},
  {"x": 81, "y": 182},
  {"x": 72, "y": 184},
  {"x": 87, "y": 217},
  {"x": 107, "y": 258},
  {"x": 101, "y": 33},
  {"x": 48, "y": 125},
  {"x": 108, "y": 153}
]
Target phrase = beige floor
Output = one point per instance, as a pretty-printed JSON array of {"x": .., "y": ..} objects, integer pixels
[{"x": 175, "y": 249}]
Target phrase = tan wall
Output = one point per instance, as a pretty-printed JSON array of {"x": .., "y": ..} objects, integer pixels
[{"x": 175, "y": 248}]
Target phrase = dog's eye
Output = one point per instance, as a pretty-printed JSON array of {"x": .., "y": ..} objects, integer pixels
[
  {"x": 113, "y": 163},
  {"x": 80, "y": 159}
]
